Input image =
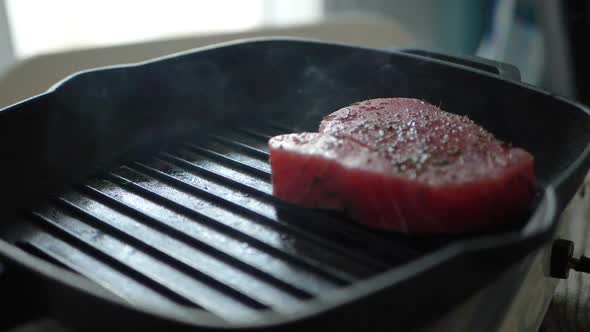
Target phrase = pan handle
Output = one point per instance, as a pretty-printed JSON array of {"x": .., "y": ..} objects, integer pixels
[{"x": 501, "y": 69}]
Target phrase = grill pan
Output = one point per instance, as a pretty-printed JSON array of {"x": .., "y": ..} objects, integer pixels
[{"x": 139, "y": 196}]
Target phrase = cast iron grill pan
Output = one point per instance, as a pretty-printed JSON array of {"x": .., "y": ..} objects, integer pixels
[
  {"x": 185, "y": 227},
  {"x": 197, "y": 226}
]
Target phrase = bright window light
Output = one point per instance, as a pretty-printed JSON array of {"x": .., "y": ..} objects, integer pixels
[{"x": 39, "y": 26}]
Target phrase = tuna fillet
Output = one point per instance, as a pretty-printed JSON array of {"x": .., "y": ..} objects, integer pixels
[{"x": 404, "y": 165}]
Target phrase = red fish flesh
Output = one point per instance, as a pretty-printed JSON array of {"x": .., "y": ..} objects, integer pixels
[{"x": 404, "y": 165}]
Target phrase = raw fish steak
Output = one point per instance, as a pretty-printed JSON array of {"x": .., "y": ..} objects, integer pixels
[{"x": 404, "y": 165}]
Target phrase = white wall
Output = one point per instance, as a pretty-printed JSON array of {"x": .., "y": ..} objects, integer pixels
[{"x": 6, "y": 51}]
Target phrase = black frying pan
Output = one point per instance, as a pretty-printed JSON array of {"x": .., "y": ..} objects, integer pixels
[{"x": 97, "y": 120}]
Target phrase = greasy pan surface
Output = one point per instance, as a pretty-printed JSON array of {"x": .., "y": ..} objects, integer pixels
[{"x": 191, "y": 129}]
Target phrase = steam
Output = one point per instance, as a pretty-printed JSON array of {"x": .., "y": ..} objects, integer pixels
[
  {"x": 104, "y": 113},
  {"x": 326, "y": 83}
]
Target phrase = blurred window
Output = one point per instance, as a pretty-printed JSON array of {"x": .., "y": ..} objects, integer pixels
[{"x": 39, "y": 26}]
